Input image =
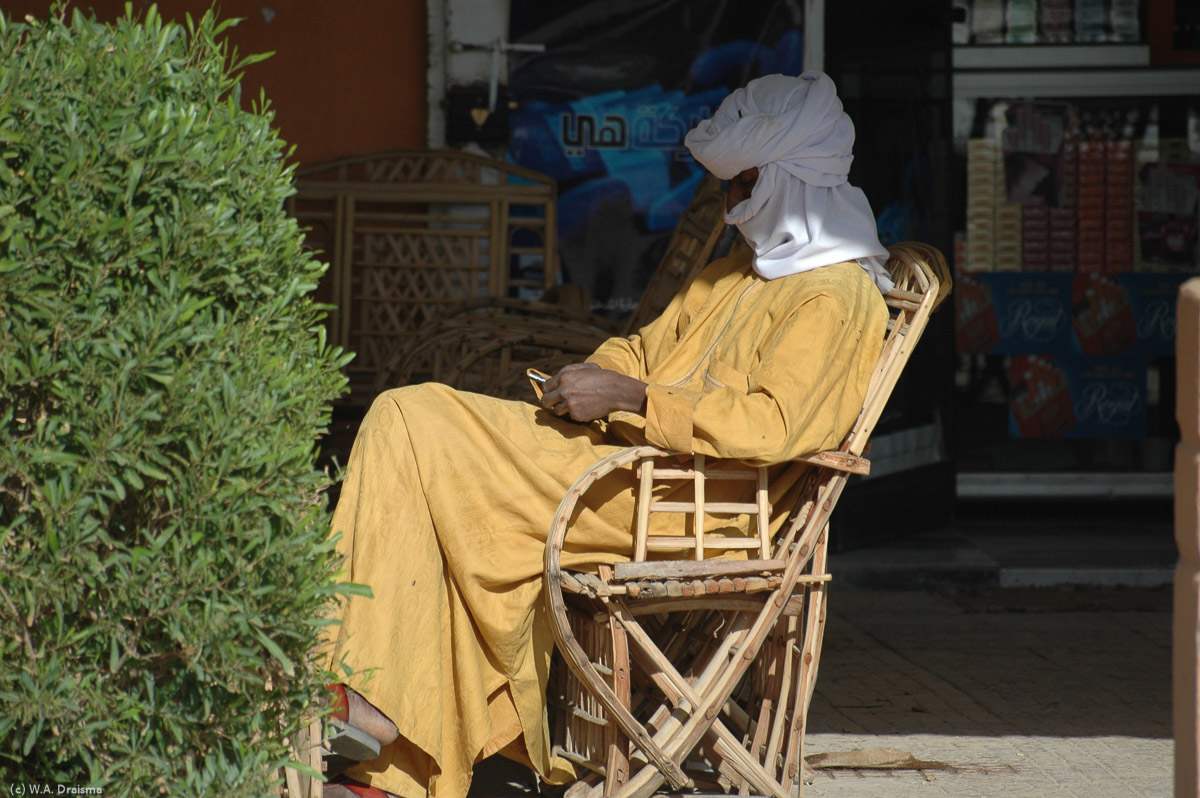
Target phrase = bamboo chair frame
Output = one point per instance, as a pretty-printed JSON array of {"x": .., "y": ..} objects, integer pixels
[
  {"x": 654, "y": 693},
  {"x": 308, "y": 750},
  {"x": 485, "y": 344}
]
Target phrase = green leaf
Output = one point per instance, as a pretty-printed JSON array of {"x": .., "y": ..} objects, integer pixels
[{"x": 275, "y": 651}]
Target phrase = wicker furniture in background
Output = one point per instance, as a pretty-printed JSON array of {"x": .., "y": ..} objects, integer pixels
[
  {"x": 409, "y": 232},
  {"x": 485, "y": 345}
]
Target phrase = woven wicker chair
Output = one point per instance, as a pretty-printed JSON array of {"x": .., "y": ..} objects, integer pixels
[
  {"x": 485, "y": 344},
  {"x": 408, "y": 233},
  {"x": 695, "y": 672}
]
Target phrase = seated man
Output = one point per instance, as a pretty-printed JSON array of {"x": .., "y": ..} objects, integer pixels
[{"x": 449, "y": 496}]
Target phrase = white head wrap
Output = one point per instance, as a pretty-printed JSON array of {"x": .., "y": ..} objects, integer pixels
[{"x": 802, "y": 213}]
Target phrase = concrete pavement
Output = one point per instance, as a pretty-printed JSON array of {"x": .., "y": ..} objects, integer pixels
[
  {"x": 1036, "y": 693},
  {"x": 1060, "y": 692}
]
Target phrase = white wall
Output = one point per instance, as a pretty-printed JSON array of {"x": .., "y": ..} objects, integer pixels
[{"x": 461, "y": 36}]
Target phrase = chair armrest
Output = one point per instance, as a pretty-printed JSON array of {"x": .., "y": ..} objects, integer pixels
[{"x": 841, "y": 461}]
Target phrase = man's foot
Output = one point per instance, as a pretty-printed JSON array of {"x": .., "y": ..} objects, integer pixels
[
  {"x": 347, "y": 745},
  {"x": 354, "y": 710},
  {"x": 357, "y": 730}
]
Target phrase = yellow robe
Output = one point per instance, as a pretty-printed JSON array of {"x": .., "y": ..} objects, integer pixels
[{"x": 448, "y": 498}]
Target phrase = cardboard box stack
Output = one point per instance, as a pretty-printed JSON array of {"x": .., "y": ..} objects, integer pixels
[
  {"x": 1119, "y": 206},
  {"x": 1090, "y": 204},
  {"x": 1008, "y": 232},
  {"x": 1035, "y": 238},
  {"x": 983, "y": 169},
  {"x": 1062, "y": 220},
  {"x": 1087, "y": 224}
]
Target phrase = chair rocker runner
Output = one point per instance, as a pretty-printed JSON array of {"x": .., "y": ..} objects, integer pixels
[{"x": 695, "y": 672}]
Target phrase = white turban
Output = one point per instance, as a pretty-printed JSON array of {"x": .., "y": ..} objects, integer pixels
[{"x": 802, "y": 213}]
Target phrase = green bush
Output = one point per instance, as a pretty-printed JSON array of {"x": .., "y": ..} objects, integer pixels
[{"x": 164, "y": 561}]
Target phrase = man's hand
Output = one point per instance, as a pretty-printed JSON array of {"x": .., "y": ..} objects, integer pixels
[{"x": 584, "y": 391}]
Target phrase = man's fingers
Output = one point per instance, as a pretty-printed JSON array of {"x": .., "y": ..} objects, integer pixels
[{"x": 554, "y": 401}]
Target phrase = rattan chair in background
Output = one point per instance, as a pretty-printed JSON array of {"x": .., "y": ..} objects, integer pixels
[
  {"x": 408, "y": 233},
  {"x": 485, "y": 344},
  {"x": 684, "y": 670}
]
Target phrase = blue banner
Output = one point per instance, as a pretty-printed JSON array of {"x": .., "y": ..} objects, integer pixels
[
  {"x": 1072, "y": 396},
  {"x": 605, "y": 108},
  {"x": 1017, "y": 313}
]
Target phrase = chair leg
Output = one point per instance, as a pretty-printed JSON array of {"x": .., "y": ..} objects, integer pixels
[
  {"x": 307, "y": 748},
  {"x": 617, "y": 742},
  {"x": 811, "y": 656},
  {"x": 779, "y": 679},
  {"x": 316, "y": 787},
  {"x": 675, "y": 687}
]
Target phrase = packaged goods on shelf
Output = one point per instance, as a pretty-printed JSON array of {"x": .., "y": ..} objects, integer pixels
[
  {"x": 1090, "y": 206},
  {"x": 1118, "y": 219},
  {"x": 960, "y": 24},
  {"x": 987, "y": 22},
  {"x": 1062, "y": 187},
  {"x": 1091, "y": 21},
  {"x": 1055, "y": 21},
  {"x": 992, "y": 22},
  {"x": 1033, "y": 138},
  {"x": 1020, "y": 20},
  {"x": 1063, "y": 219},
  {"x": 978, "y": 329},
  {"x": 1035, "y": 238},
  {"x": 982, "y": 169},
  {"x": 1124, "y": 20},
  {"x": 1008, "y": 236},
  {"x": 1168, "y": 205}
]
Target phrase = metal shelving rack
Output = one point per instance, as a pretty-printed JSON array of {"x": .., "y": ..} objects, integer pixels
[
  {"x": 1066, "y": 71},
  {"x": 1037, "y": 71}
]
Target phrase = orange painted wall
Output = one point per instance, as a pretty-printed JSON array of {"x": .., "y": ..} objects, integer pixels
[{"x": 347, "y": 76}]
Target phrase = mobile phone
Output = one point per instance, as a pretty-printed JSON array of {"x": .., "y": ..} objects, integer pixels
[{"x": 537, "y": 379}]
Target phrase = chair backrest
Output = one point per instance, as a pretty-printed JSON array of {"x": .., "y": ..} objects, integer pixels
[{"x": 922, "y": 282}]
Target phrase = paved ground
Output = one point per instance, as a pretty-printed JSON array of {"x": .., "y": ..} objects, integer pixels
[
  {"x": 1025, "y": 652},
  {"x": 1042, "y": 692},
  {"x": 1055, "y": 692}
]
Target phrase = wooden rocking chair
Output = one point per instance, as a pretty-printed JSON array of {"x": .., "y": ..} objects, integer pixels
[
  {"x": 695, "y": 672},
  {"x": 485, "y": 344}
]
